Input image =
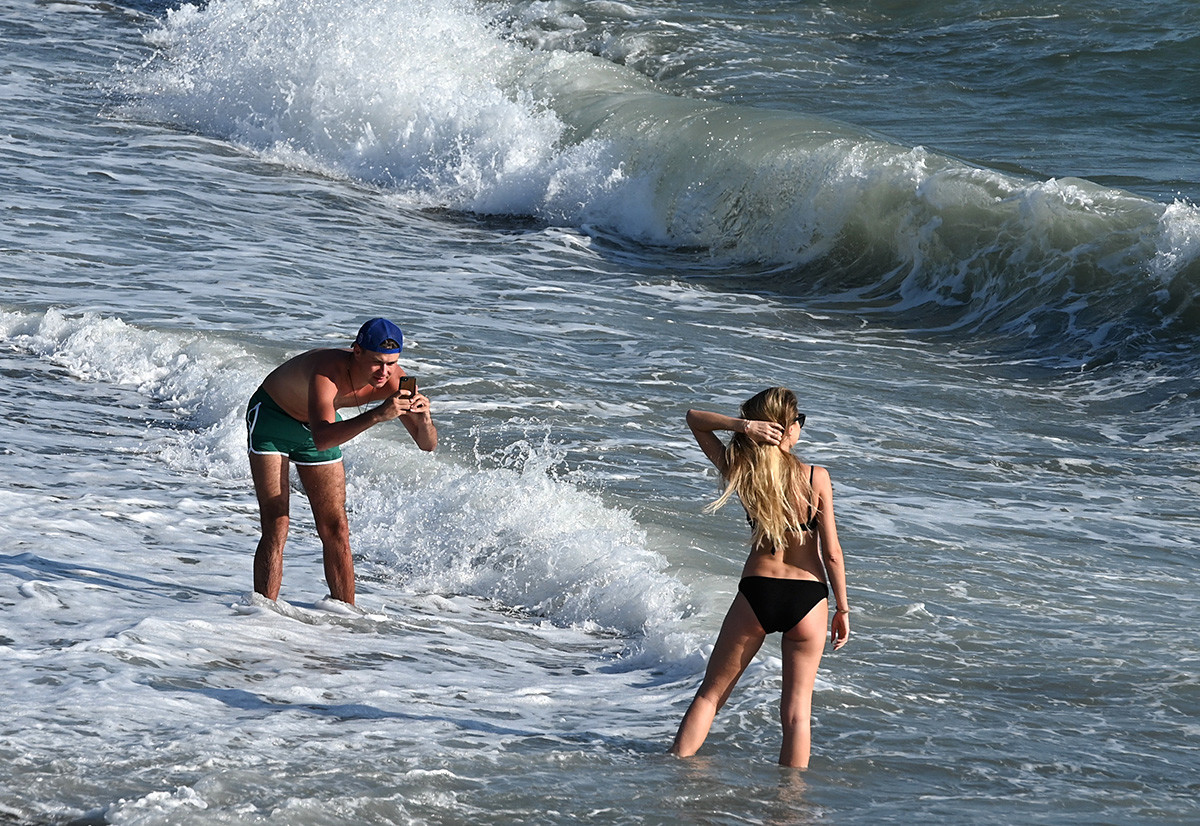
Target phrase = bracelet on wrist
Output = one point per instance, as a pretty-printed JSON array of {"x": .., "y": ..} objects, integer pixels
[{"x": 842, "y": 611}]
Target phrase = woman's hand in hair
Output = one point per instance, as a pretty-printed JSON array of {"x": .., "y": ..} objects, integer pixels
[{"x": 764, "y": 433}]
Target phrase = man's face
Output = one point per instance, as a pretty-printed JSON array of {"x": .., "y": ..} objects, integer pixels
[{"x": 381, "y": 366}]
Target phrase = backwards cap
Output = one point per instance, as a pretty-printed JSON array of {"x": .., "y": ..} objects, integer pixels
[{"x": 380, "y": 336}]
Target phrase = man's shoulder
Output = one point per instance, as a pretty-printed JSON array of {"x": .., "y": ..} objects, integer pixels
[
  {"x": 336, "y": 355},
  {"x": 321, "y": 360},
  {"x": 300, "y": 369}
]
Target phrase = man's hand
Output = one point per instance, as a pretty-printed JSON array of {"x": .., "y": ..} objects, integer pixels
[
  {"x": 419, "y": 423},
  {"x": 418, "y": 404},
  {"x": 398, "y": 404},
  {"x": 401, "y": 403}
]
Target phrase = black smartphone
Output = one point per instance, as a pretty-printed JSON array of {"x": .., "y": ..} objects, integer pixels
[{"x": 408, "y": 383}]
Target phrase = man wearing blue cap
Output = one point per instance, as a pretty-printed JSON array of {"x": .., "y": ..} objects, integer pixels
[{"x": 293, "y": 417}]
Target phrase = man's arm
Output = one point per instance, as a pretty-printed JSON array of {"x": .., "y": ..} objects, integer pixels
[
  {"x": 327, "y": 431},
  {"x": 413, "y": 412},
  {"x": 419, "y": 423}
]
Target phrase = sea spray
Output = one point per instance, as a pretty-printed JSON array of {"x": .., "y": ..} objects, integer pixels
[
  {"x": 516, "y": 534},
  {"x": 414, "y": 97},
  {"x": 201, "y": 380}
]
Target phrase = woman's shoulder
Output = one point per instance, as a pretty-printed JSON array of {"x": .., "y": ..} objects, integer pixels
[{"x": 820, "y": 475}]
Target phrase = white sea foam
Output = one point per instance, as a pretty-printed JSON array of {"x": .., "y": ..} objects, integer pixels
[
  {"x": 1179, "y": 245},
  {"x": 432, "y": 103},
  {"x": 416, "y": 97}
]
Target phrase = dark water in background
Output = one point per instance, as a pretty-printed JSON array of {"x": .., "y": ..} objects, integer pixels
[{"x": 964, "y": 233}]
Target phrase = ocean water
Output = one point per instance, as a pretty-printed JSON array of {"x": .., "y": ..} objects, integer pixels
[{"x": 966, "y": 234}]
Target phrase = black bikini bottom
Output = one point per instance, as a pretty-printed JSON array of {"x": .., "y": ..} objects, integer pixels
[{"x": 781, "y": 603}]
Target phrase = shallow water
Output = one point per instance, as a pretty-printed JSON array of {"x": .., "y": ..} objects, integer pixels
[{"x": 589, "y": 217}]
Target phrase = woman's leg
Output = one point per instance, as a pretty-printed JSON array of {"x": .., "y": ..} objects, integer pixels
[
  {"x": 740, "y": 638},
  {"x": 802, "y": 649}
]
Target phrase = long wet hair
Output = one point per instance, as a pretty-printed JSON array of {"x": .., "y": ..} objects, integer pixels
[{"x": 777, "y": 496}]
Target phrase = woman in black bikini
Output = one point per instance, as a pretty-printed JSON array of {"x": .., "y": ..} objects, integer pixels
[{"x": 794, "y": 548}]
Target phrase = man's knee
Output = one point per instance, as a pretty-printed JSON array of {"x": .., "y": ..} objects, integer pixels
[
  {"x": 334, "y": 529},
  {"x": 273, "y": 505},
  {"x": 274, "y": 517}
]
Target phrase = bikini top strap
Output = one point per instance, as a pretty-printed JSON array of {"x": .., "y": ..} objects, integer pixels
[{"x": 812, "y": 506}]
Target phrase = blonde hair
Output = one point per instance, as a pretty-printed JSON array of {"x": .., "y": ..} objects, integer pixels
[{"x": 777, "y": 496}]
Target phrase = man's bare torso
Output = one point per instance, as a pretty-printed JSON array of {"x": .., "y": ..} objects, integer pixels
[{"x": 289, "y": 383}]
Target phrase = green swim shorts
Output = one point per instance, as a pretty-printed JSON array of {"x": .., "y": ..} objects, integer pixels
[{"x": 271, "y": 430}]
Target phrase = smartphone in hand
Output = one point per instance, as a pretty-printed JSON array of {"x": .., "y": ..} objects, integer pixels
[{"x": 409, "y": 383}]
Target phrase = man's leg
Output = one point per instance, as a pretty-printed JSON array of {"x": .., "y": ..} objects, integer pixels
[
  {"x": 326, "y": 489},
  {"x": 270, "y": 474}
]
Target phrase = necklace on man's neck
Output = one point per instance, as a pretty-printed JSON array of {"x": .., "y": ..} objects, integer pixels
[{"x": 353, "y": 389}]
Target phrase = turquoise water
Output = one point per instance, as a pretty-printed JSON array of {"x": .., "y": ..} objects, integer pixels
[{"x": 966, "y": 234}]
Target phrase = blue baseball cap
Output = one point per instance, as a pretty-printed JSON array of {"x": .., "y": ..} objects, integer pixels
[{"x": 380, "y": 336}]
